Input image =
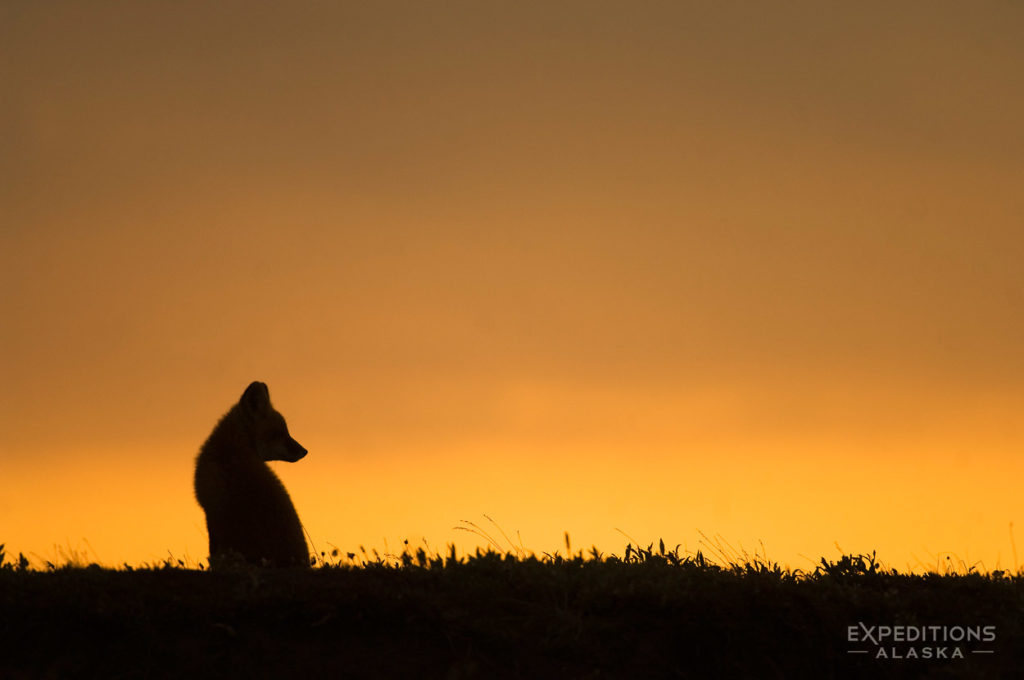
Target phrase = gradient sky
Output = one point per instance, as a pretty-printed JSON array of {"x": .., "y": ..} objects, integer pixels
[{"x": 746, "y": 269}]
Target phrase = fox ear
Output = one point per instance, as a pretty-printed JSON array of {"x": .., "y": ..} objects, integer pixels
[{"x": 256, "y": 398}]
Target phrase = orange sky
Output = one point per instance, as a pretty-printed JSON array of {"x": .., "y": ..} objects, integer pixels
[{"x": 657, "y": 267}]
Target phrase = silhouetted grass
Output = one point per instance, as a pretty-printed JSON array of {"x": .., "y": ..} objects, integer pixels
[{"x": 651, "y": 612}]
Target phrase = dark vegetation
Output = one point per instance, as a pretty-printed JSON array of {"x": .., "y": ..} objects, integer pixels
[{"x": 648, "y": 613}]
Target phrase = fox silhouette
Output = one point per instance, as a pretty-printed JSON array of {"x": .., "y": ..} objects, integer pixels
[{"x": 249, "y": 514}]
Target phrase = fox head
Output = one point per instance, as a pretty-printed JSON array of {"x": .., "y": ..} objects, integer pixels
[{"x": 269, "y": 431}]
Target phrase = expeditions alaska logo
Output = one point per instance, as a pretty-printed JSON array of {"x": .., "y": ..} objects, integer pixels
[{"x": 919, "y": 642}]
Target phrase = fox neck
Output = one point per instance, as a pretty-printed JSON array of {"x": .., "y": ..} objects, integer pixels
[{"x": 230, "y": 438}]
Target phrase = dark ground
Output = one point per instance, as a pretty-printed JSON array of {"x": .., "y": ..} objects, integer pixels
[{"x": 499, "y": 617}]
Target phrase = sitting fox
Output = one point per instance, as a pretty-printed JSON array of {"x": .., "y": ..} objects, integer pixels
[{"x": 248, "y": 511}]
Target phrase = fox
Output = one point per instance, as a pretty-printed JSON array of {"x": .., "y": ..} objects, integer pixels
[{"x": 249, "y": 514}]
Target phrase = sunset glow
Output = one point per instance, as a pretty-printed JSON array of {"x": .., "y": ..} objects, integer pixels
[{"x": 666, "y": 270}]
